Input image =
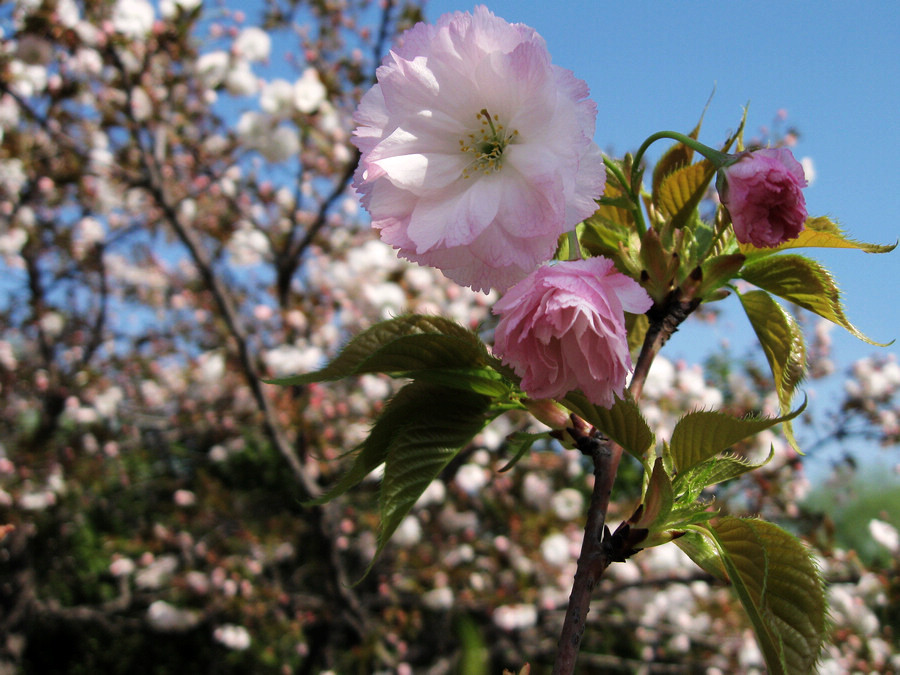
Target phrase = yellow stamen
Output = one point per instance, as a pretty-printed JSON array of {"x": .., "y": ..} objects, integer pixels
[{"x": 487, "y": 145}]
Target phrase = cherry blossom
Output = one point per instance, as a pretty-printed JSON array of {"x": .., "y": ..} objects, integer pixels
[
  {"x": 476, "y": 149},
  {"x": 563, "y": 328}
]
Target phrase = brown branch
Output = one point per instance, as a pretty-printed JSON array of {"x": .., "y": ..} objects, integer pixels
[
  {"x": 593, "y": 560},
  {"x": 596, "y": 553},
  {"x": 98, "y": 325},
  {"x": 37, "y": 302},
  {"x": 153, "y": 183},
  {"x": 665, "y": 319},
  {"x": 231, "y": 317},
  {"x": 289, "y": 263}
]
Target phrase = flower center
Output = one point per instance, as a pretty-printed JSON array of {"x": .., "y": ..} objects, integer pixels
[{"x": 486, "y": 144}]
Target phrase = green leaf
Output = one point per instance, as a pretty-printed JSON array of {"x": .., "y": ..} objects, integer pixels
[
  {"x": 658, "y": 499},
  {"x": 805, "y": 283},
  {"x": 700, "y": 549},
  {"x": 660, "y": 264},
  {"x": 373, "y": 451},
  {"x": 779, "y": 586},
  {"x": 636, "y": 325},
  {"x": 782, "y": 342},
  {"x": 718, "y": 271},
  {"x": 520, "y": 443},
  {"x": 623, "y": 423},
  {"x": 614, "y": 209},
  {"x": 599, "y": 235},
  {"x": 474, "y": 654},
  {"x": 819, "y": 232},
  {"x": 482, "y": 380},
  {"x": 438, "y": 424},
  {"x": 681, "y": 192},
  {"x": 407, "y": 343},
  {"x": 713, "y": 471},
  {"x": 702, "y": 434},
  {"x": 685, "y": 514},
  {"x": 702, "y": 238}
]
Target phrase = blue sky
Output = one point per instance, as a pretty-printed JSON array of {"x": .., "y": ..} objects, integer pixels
[{"x": 834, "y": 67}]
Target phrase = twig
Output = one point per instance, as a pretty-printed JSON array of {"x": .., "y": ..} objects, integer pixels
[
  {"x": 593, "y": 559},
  {"x": 665, "y": 319},
  {"x": 596, "y": 554}
]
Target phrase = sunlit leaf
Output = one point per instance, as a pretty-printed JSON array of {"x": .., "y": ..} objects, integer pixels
[
  {"x": 703, "y": 434},
  {"x": 658, "y": 499},
  {"x": 610, "y": 231},
  {"x": 564, "y": 246},
  {"x": 660, "y": 265},
  {"x": 782, "y": 342},
  {"x": 805, "y": 283},
  {"x": 614, "y": 208},
  {"x": 778, "y": 584},
  {"x": 682, "y": 191},
  {"x": 718, "y": 271},
  {"x": 636, "y": 325},
  {"x": 676, "y": 157},
  {"x": 820, "y": 232},
  {"x": 703, "y": 236},
  {"x": 684, "y": 514},
  {"x": 712, "y": 471},
  {"x": 407, "y": 343},
  {"x": 623, "y": 423},
  {"x": 482, "y": 380}
]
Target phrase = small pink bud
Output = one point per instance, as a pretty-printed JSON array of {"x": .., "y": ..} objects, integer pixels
[{"x": 762, "y": 191}]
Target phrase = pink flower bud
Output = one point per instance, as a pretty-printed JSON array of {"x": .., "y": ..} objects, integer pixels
[{"x": 762, "y": 191}]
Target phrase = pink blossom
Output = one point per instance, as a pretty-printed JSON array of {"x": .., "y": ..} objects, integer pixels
[
  {"x": 762, "y": 191},
  {"x": 515, "y": 617},
  {"x": 476, "y": 150},
  {"x": 563, "y": 329}
]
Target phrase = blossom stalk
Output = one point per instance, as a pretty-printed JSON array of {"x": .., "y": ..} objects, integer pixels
[{"x": 717, "y": 157}]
